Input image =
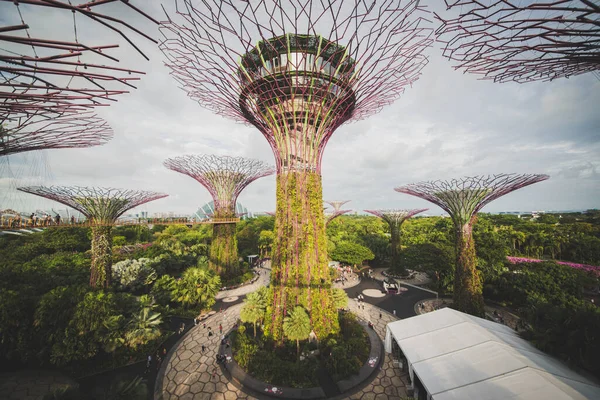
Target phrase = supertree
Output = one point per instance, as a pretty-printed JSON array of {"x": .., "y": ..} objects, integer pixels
[
  {"x": 509, "y": 40},
  {"x": 297, "y": 70},
  {"x": 337, "y": 210},
  {"x": 224, "y": 177},
  {"x": 395, "y": 219},
  {"x": 66, "y": 131},
  {"x": 102, "y": 207},
  {"x": 462, "y": 199}
]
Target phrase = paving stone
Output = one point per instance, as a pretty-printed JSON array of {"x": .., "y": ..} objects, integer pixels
[
  {"x": 209, "y": 387},
  {"x": 368, "y": 396},
  {"x": 217, "y": 396},
  {"x": 381, "y": 397}
]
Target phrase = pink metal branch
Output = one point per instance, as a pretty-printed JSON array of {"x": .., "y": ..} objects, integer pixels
[
  {"x": 296, "y": 69},
  {"x": 97, "y": 204},
  {"x": 67, "y": 131},
  {"x": 223, "y": 176},
  {"x": 509, "y": 40},
  {"x": 463, "y": 198}
]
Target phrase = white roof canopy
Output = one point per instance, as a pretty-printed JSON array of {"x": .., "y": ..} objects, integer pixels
[{"x": 458, "y": 356}]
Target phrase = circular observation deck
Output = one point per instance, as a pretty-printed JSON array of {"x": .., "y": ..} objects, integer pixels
[{"x": 297, "y": 82}]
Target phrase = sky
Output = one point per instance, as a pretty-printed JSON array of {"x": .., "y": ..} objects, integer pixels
[{"x": 447, "y": 125}]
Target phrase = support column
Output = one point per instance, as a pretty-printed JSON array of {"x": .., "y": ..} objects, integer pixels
[
  {"x": 224, "y": 258},
  {"x": 300, "y": 270},
  {"x": 468, "y": 287},
  {"x": 101, "y": 270}
]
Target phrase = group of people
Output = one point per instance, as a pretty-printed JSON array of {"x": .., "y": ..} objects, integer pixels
[{"x": 158, "y": 357}]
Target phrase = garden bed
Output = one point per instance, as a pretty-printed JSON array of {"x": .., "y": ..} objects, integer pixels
[{"x": 341, "y": 356}]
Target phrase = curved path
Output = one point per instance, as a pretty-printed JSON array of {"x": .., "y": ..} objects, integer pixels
[
  {"x": 264, "y": 278},
  {"x": 188, "y": 373}
]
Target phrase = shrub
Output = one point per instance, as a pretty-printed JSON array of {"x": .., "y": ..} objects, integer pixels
[
  {"x": 133, "y": 274},
  {"x": 162, "y": 290}
]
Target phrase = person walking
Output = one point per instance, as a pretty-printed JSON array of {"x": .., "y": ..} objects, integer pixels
[
  {"x": 220, "y": 328},
  {"x": 394, "y": 312}
]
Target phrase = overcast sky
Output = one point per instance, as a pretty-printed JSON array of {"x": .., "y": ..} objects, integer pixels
[{"x": 447, "y": 125}]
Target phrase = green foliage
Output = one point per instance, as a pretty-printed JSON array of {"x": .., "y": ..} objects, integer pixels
[
  {"x": 197, "y": 288},
  {"x": 272, "y": 364},
  {"x": 265, "y": 243},
  {"x": 134, "y": 234},
  {"x": 86, "y": 332},
  {"x": 351, "y": 253},
  {"x": 133, "y": 274},
  {"x": 348, "y": 352},
  {"x": 119, "y": 241},
  {"x": 224, "y": 258},
  {"x": 300, "y": 257},
  {"x": 143, "y": 328},
  {"x": 340, "y": 298},
  {"x": 296, "y": 326},
  {"x": 163, "y": 290},
  {"x": 101, "y": 256},
  {"x": 254, "y": 308},
  {"x": 249, "y": 232}
]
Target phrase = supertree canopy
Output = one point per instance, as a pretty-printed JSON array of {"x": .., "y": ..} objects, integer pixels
[
  {"x": 67, "y": 131},
  {"x": 462, "y": 199},
  {"x": 102, "y": 207},
  {"x": 297, "y": 70},
  {"x": 395, "y": 219},
  {"x": 225, "y": 178},
  {"x": 522, "y": 41},
  {"x": 337, "y": 210},
  {"x": 47, "y": 76}
]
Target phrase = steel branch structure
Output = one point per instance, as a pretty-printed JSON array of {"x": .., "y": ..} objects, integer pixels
[
  {"x": 462, "y": 199},
  {"x": 224, "y": 177},
  {"x": 66, "y": 131},
  {"x": 45, "y": 77},
  {"x": 337, "y": 204},
  {"x": 337, "y": 210},
  {"x": 102, "y": 206},
  {"x": 297, "y": 70},
  {"x": 395, "y": 219},
  {"x": 510, "y": 40}
]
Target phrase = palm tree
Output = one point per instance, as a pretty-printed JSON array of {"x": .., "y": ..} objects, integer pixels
[
  {"x": 144, "y": 327},
  {"x": 296, "y": 326},
  {"x": 198, "y": 287},
  {"x": 255, "y": 305}
]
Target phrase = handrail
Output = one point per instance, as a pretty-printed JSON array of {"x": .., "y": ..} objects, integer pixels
[{"x": 13, "y": 222}]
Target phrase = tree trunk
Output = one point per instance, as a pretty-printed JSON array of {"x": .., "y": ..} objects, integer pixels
[
  {"x": 468, "y": 287},
  {"x": 297, "y": 349},
  {"x": 223, "y": 249},
  {"x": 101, "y": 269},
  {"x": 254, "y": 328},
  {"x": 397, "y": 266},
  {"x": 300, "y": 271}
]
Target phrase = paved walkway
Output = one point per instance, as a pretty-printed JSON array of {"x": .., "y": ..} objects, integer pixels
[
  {"x": 189, "y": 373},
  {"x": 420, "y": 278},
  {"x": 263, "y": 280}
]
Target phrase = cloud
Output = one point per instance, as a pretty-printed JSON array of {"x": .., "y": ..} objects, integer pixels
[{"x": 447, "y": 125}]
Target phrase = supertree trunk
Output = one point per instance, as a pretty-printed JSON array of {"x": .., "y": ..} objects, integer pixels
[
  {"x": 468, "y": 286},
  {"x": 223, "y": 248},
  {"x": 101, "y": 272},
  {"x": 397, "y": 265},
  {"x": 300, "y": 274}
]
